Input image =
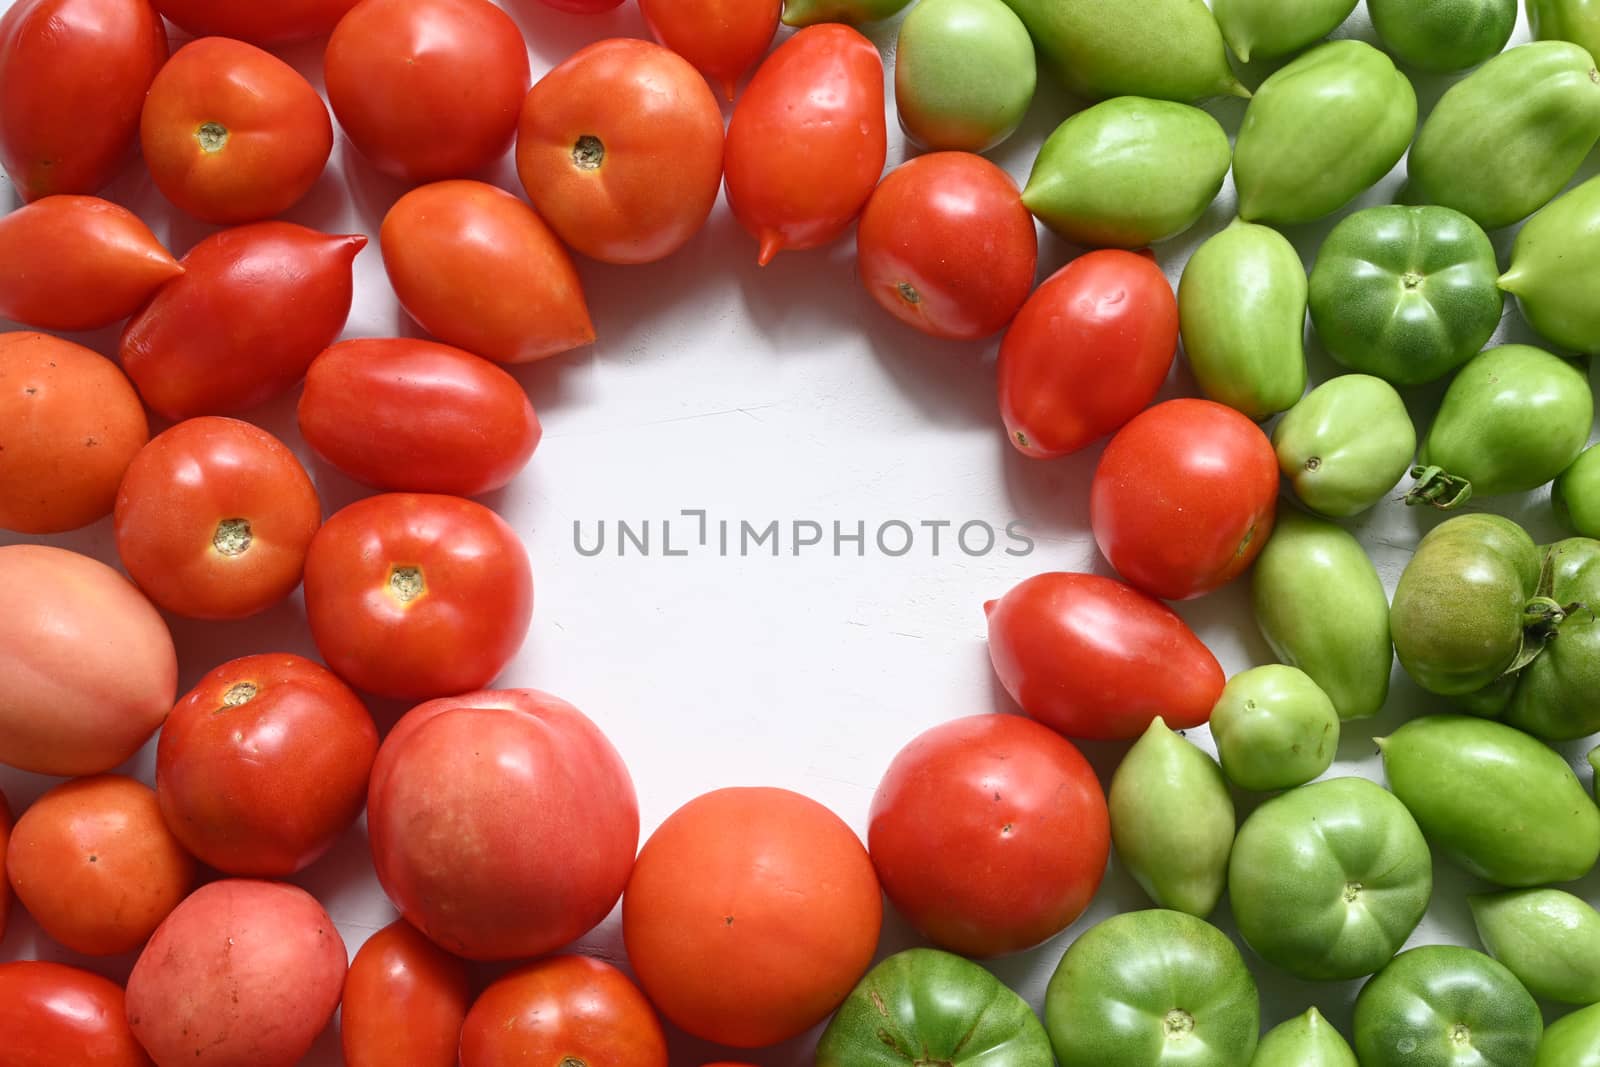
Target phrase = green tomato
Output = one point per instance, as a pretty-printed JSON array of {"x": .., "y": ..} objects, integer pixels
[
  {"x": 1172, "y": 821},
  {"x": 1443, "y": 36},
  {"x": 1242, "y": 309},
  {"x": 1496, "y": 801},
  {"x": 1557, "y": 695},
  {"x": 1573, "y": 1041},
  {"x": 1128, "y": 172},
  {"x": 1512, "y": 419},
  {"x": 1576, "y": 494},
  {"x": 1152, "y": 989},
  {"x": 1577, "y": 21},
  {"x": 1307, "y": 1040},
  {"x": 1327, "y": 881},
  {"x": 1446, "y": 1006},
  {"x": 1263, "y": 29},
  {"x": 927, "y": 1006},
  {"x": 1504, "y": 140},
  {"x": 1322, "y": 607},
  {"x": 1321, "y": 131},
  {"x": 1555, "y": 264},
  {"x": 1549, "y": 939},
  {"x": 850, "y": 12},
  {"x": 1346, "y": 445},
  {"x": 964, "y": 74},
  {"x": 1405, "y": 293},
  {"x": 1275, "y": 728}
]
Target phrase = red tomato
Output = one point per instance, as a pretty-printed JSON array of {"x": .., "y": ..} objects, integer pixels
[
  {"x": 1090, "y": 657},
  {"x": 414, "y": 415},
  {"x": 233, "y": 134},
  {"x": 5, "y": 884},
  {"x": 621, "y": 149},
  {"x": 1087, "y": 352},
  {"x": 78, "y": 263},
  {"x": 264, "y": 764},
  {"x": 56, "y": 1016},
  {"x": 1022, "y": 809},
  {"x": 427, "y": 89},
  {"x": 415, "y": 596},
  {"x": 946, "y": 246},
  {"x": 277, "y": 22},
  {"x": 96, "y": 866},
  {"x": 404, "y": 1002},
  {"x": 69, "y": 426},
  {"x": 252, "y": 310},
  {"x": 1184, "y": 498},
  {"x": 750, "y": 916},
  {"x": 503, "y": 823},
  {"x": 479, "y": 269},
  {"x": 73, "y": 74},
  {"x": 563, "y": 1009},
  {"x": 214, "y": 518},
  {"x": 807, "y": 141},
  {"x": 724, "y": 38}
]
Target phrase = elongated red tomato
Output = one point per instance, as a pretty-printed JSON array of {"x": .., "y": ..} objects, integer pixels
[
  {"x": 57, "y": 1016},
  {"x": 405, "y": 999},
  {"x": 252, "y": 310},
  {"x": 1090, "y": 657},
  {"x": 78, "y": 263},
  {"x": 260, "y": 23},
  {"x": 723, "y": 38},
  {"x": 807, "y": 141},
  {"x": 73, "y": 74},
  {"x": 563, "y": 1009}
]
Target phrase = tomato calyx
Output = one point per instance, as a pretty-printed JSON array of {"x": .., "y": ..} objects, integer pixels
[
  {"x": 1438, "y": 488},
  {"x": 233, "y": 537},
  {"x": 213, "y": 137},
  {"x": 588, "y": 152}
]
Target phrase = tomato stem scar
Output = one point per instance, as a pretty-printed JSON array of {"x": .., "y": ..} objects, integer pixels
[
  {"x": 213, "y": 136},
  {"x": 233, "y": 537},
  {"x": 407, "y": 583},
  {"x": 589, "y": 152}
]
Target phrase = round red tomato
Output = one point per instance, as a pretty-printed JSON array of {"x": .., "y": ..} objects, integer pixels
[
  {"x": 73, "y": 74},
  {"x": 1087, "y": 352},
  {"x": 503, "y": 823},
  {"x": 251, "y": 20},
  {"x": 233, "y": 134},
  {"x": 563, "y": 1010},
  {"x": 750, "y": 916},
  {"x": 621, "y": 149},
  {"x": 69, "y": 426},
  {"x": 723, "y": 38},
  {"x": 946, "y": 246},
  {"x": 1022, "y": 809},
  {"x": 479, "y": 269},
  {"x": 264, "y": 764},
  {"x": 78, "y": 263},
  {"x": 415, "y": 596},
  {"x": 214, "y": 519},
  {"x": 1091, "y": 658},
  {"x": 404, "y": 1002},
  {"x": 96, "y": 866},
  {"x": 413, "y": 415},
  {"x": 252, "y": 310},
  {"x": 57, "y": 1016},
  {"x": 1184, "y": 498},
  {"x": 807, "y": 141},
  {"x": 427, "y": 89}
]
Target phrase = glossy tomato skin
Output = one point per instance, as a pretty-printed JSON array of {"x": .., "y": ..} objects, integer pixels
[
  {"x": 263, "y": 764},
  {"x": 5, "y": 888},
  {"x": 73, "y": 74},
  {"x": 232, "y": 134},
  {"x": 471, "y": 796},
  {"x": 479, "y": 269},
  {"x": 96, "y": 866},
  {"x": 70, "y": 424},
  {"x": 250, "y": 20},
  {"x": 402, "y": 414},
  {"x": 214, "y": 518},
  {"x": 427, "y": 89},
  {"x": 563, "y": 1009},
  {"x": 1093, "y": 658},
  {"x": 750, "y": 916},
  {"x": 57, "y": 1016},
  {"x": 404, "y": 1002},
  {"x": 252, "y": 310},
  {"x": 1021, "y": 807},
  {"x": 620, "y": 149},
  {"x": 1184, "y": 498},
  {"x": 78, "y": 263},
  {"x": 1087, "y": 352},
  {"x": 946, "y": 246},
  {"x": 808, "y": 139},
  {"x": 723, "y": 38}
]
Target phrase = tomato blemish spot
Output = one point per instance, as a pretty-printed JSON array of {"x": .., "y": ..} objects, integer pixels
[
  {"x": 908, "y": 293},
  {"x": 728, "y": 921},
  {"x": 232, "y": 537},
  {"x": 588, "y": 153},
  {"x": 407, "y": 583},
  {"x": 213, "y": 137}
]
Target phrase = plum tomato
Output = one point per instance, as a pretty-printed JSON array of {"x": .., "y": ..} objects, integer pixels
[
  {"x": 723, "y": 38},
  {"x": 52, "y": 1015},
  {"x": 276, "y": 23},
  {"x": 404, "y": 1001},
  {"x": 563, "y": 1009}
]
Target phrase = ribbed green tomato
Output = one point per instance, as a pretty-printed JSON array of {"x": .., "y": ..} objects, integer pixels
[{"x": 1446, "y": 1006}]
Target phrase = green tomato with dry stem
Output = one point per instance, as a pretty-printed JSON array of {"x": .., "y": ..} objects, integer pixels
[
  {"x": 1549, "y": 939},
  {"x": 1576, "y": 494},
  {"x": 1275, "y": 729},
  {"x": 1263, "y": 29},
  {"x": 1443, "y": 36},
  {"x": 1555, "y": 270},
  {"x": 1345, "y": 445},
  {"x": 1307, "y": 1040},
  {"x": 1446, "y": 1006},
  {"x": 964, "y": 74}
]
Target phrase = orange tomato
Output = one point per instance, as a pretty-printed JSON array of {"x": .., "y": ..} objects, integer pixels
[
  {"x": 563, "y": 1010},
  {"x": 404, "y": 1002},
  {"x": 724, "y": 38}
]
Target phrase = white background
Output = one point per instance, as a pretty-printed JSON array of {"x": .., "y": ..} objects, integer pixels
[{"x": 760, "y": 394}]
